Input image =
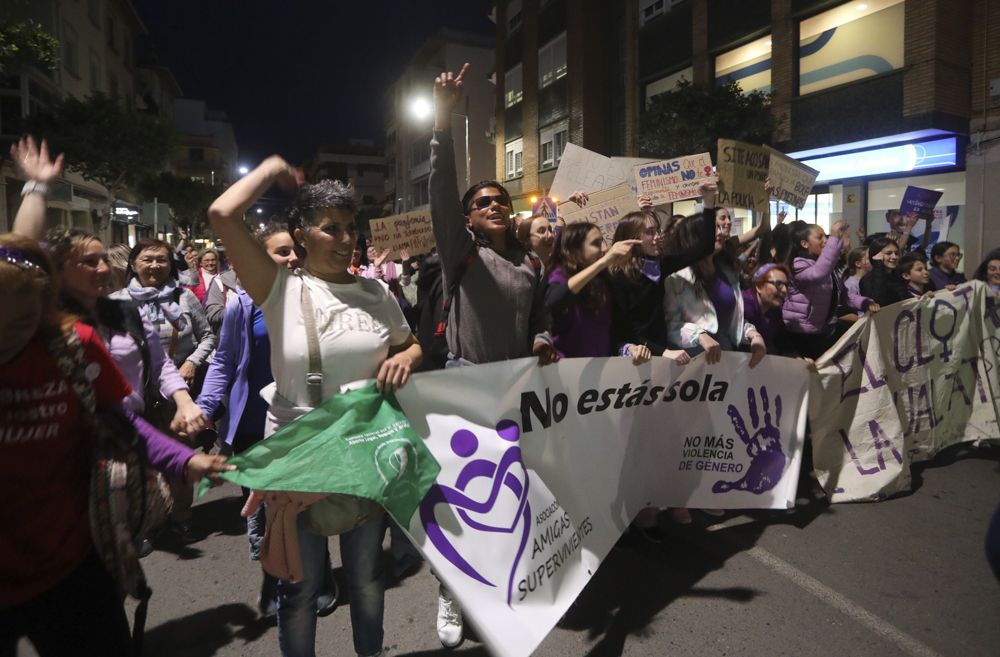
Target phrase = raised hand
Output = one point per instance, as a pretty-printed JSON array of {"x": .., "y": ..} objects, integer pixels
[
  {"x": 838, "y": 228},
  {"x": 34, "y": 161},
  {"x": 645, "y": 202},
  {"x": 620, "y": 251},
  {"x": 580, "y": 198},
  {"x": 782, "y": 214},
  {"x": 767, "y": 462},
  {"x": 447, "y": 93},
  {"x": 708, "y": 190}
]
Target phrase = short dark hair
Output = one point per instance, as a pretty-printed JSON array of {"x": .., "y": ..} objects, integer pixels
[
  {"x": 150, "y": 243},
  {"x": 907, "y": 261},
  {"x": 273, "y": 226},
  {"x": 312, "y": 201}
]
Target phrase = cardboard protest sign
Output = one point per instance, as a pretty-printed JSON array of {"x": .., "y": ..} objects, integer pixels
[
  {"x": 411, "y": 232},
  {"x": 919, "y": 201},
  {"x": 625, "y": 166},
  {"x": 604, "y": 208},
  {"x": 742, "y": 169},
  {"x": 792, "y": 180},
  {"x": 581, "y": 170},
  {"x": 674, "y": 179}
]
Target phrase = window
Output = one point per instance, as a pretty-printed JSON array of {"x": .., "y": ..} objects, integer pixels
[
  {"x": 95, "y": 72},
  {"x": 420, "y": 194},
  {"x": 850, "y": 42},
  {"x": 40, "y": 98},
  {"x": 94, "y": 12},
  {"x": 749, "y": 65},
  {"x": 71, "y": 50},
  {"x": 650, "y": 9},
  {"x": 667, "y": 83},
  {"x": 512, "y": 87},
  {"x": 552, "y": 143},
  {"x": 513, "y": 15},
  {"x": 552, "y": 61},
  {"x": 514, "y": 158}
]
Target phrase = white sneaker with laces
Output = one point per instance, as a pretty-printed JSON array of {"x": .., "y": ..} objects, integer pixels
[{"x": 449, "y": 619}]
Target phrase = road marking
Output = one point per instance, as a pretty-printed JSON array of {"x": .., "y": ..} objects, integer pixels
[{"x": 831, "y": 597}]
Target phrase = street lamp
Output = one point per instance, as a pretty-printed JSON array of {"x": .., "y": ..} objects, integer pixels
[
  {"x": 421, "y": 109},
  {"x": 243, "y": 170}
]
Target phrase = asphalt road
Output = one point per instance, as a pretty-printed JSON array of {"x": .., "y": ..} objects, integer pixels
[{"x": 905, "y": 577}]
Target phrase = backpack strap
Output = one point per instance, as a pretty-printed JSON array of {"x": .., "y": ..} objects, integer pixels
[{"x": 452, "y": 291}]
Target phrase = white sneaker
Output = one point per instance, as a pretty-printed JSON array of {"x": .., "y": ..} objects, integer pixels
[{"x": 449, "y": 619}]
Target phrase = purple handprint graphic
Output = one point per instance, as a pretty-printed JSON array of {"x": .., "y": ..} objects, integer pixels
[{"x": 764, "y": 446}]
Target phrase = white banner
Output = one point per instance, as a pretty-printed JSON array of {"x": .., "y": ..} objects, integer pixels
[
  {"x": 542, "y": 469},
  {"x": 901, "y": 385}
]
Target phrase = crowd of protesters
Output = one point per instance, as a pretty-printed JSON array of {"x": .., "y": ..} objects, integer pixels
[{"x": 203, "y": 350}]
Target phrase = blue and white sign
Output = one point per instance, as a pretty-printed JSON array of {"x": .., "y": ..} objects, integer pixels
[{"x": 903, "y": 158}]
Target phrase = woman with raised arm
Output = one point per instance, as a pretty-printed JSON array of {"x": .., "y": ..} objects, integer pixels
[
  {"x": 494, "y": 286},
  {"x": 363, "y": 334}
]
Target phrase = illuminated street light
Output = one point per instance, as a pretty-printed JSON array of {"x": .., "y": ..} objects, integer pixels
[
  {"x": 420, "y": 108},
  {"x": 243, "y": 170}
]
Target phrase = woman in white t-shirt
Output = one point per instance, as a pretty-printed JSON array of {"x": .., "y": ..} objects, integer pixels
[{"x": 361, "y": 333}]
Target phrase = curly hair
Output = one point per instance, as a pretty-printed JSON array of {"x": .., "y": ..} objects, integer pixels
[{"x": 312, "y": 201}]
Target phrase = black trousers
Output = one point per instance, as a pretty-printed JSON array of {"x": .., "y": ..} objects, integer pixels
[{"x": 81, "y": 616}]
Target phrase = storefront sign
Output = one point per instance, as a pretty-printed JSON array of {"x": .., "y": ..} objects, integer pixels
[{"x": 903, "y": 158}]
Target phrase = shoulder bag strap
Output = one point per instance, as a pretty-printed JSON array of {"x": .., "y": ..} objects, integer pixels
[{"x": 314, "y": 378}]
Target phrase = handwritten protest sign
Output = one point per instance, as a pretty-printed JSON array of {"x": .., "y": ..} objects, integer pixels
[
  {"x": 626, "y": 164},
  {"x": 581, "y": 170},
  {"x": 901, "y": 385},
  {"x": 919, "y": 201},
  {"x": 674, "y": 179},
  {"x": 743, "y": 168},
  {"x": 604, "y": 208},
  {"x": 792, "y": 180},
  {"x": 411, "y": 232}
]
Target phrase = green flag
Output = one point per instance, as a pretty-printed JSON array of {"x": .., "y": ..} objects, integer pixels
[{"x": 358, "y": 443}]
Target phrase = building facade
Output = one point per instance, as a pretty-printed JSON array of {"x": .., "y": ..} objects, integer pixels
[
  {"x": 407, "y": 133},
  {"x": 877, "y": 95},
  {"x": 97, "y": 55},
  {"x": 207, "y": 149}
]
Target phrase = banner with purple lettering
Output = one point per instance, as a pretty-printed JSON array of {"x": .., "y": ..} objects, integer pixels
[
  {"x": 543, "y": 468},
  {"x": 901, "y": 385}
]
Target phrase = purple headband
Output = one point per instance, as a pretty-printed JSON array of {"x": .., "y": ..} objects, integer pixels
[
  {"x": 21, "y": 258},
  {"x": 762, "y": 271}
]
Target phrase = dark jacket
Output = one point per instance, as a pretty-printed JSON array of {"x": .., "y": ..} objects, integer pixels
[{"x": 884, "y": 286}]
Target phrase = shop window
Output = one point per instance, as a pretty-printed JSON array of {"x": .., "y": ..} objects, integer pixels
[
  {"x": 749, "y": 65},
  {"x": 513, "y": 87},
  {"x": 551, "y": 144},
  {"x": 851, "y": 42},
  {"x": 514, "y": 158},
  {"x": 552, "y": 61},
  {"x": 886, "y": 195},
  {"x": 667, "y": 83}
]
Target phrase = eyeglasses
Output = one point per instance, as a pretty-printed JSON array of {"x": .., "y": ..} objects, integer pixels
[
  {"x": 780, "y": 285},
  {"x": 956, "y": 256},
  {"x": 484, "y": 202}
]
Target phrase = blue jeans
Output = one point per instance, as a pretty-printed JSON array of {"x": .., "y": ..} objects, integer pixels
[{"x": 361, "y": 555}]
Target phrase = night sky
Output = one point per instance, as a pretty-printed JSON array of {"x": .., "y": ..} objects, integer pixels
[{"x": 294, "y": 74}]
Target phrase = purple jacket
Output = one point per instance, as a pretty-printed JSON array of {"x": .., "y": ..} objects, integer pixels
[
  {"x": 226, "y": 380},
  {"x": 165, "y": 454},
  {"x": 814, "y": 286}
]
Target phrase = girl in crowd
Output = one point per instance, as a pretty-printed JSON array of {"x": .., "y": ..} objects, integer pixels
[
  {"x": 361, "y": 333},
  {"x": 817, "y": 292},
  {"x": 913, "y": 270},
  {"x": 56, "y": 590},
  {"x": 857, "y": 266},
  {"x": 704, "y": 304},
  {"x": 883, "y": 284},
  {"x": 494, "y": 287},
  {"x": 578, "y": 294},
  {"x": 762, "y": 305},
  {"x": 945, "y": 257},
  {"x": 989, "y": 273},
  {"x": 538, "y": 234}
]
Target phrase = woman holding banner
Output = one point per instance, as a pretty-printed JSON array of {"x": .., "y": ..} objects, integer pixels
[{"x": 360, "y": 332}]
